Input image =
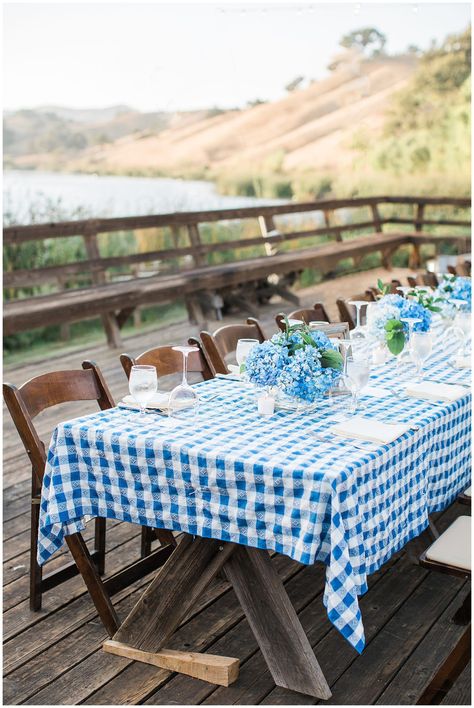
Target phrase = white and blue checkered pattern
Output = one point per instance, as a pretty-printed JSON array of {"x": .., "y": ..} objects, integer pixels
[{"x": 266, "y": 483}]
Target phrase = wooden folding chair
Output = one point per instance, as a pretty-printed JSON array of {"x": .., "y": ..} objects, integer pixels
[
  {"x": 339, "y": 330},
  {"x": 24, "y": 404},
  {"x": 167, "y": 362},
  {"x": 315, "y": 314},
  {"x": 428, "y": 279},
  {"x": 451, "y": 554},
  {"x": 224, "y": 341},
  {"x": 347, "y": 312}
]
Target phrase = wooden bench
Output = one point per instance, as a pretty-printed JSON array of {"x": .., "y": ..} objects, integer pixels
[{"x": 184, "y": 271}]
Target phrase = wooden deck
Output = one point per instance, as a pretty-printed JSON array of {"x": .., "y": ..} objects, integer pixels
[{"x": 414, "y": 652}]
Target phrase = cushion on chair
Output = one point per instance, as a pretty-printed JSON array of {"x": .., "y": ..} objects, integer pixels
[
  {"x": 453, "y": 547},
  {"x": 467, "y": 492}
]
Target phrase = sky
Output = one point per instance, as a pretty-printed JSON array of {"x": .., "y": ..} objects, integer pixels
[{"x": 155, "y": 56}]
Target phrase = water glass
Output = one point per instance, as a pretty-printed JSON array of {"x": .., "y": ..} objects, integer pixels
[
  {"x": 421, "y": 344},
  {"x": 356, "y": 377},
  {"x": 143, "y": 384}
]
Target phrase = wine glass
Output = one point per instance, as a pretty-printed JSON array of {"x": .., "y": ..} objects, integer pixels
[
  {"x": 356, "y": 377},
  {"x": 421, "y": 344},
  {"x": 243, "y": 349},
  {"x": 183, "y": 395},
  {"x": 358, "y": 332},
  {"x": 143, "y": 384}
]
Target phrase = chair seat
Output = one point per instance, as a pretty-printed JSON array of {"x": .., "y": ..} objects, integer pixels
[
  {"x": 453, "y": 547},
  {"x": 467, "y": 492}
]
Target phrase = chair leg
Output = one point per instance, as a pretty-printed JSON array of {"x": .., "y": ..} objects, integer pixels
[
  {"x": 93, "y": 582},
  {"x": 99, "y": 544},
  {"x": 36, "y": 571}
]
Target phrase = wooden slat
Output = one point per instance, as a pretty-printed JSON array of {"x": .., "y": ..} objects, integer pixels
[
  {"x": 460, "y": 693},
  {"x": 220, "y": 670}
]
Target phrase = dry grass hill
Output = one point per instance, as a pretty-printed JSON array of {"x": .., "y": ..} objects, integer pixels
[{"x": 312, "y": 128}]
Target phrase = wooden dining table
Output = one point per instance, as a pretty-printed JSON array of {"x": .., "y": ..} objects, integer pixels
[{"x": 235, "y": 487}]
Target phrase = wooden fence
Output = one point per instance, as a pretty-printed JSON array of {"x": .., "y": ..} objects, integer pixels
[{"x": 184, "y": 269}]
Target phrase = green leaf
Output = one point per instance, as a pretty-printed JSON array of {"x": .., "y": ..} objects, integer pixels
[
  {"x": 396, "y": 342},
  {"x": 331, "y": 359}
]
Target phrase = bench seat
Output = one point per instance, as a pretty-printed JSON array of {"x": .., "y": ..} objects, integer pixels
[{"x": 84, "y": 303}]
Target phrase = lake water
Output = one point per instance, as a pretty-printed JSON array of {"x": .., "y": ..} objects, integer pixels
[{"x": 46, "y": 196}]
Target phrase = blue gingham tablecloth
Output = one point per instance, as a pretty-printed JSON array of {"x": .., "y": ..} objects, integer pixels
[{"x": 265, "y": 483}]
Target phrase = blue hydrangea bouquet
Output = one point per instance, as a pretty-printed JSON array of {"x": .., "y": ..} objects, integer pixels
[
  {"x": 385, "y": 318},
  {"x": 302, "y": 364},
  {"x": 451, "y": 288}
]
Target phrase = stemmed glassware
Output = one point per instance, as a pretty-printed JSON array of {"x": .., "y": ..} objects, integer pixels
[
  {"x": 358, "y": 331},
  {"x": 411, "y": 322},
  {"x": 183, "y": 395},
  {"x": 421, "y": 344},
  {"x": 143, "y": 384},
  {"x": 356, "y": 377},
  {"x": 462, "y": 325}
]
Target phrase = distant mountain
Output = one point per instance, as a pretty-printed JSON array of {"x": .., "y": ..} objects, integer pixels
[
  {"x": 310, "y": 128},
  {"x": 85, "y": 115}
]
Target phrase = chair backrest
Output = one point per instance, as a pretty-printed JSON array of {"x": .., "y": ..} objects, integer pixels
[
  {"x": 42, "y": 392},
  {"x": 168, "y": 361},
  {"x": 428, "y": 279},
  {"x": 411, "y": 279},
  {"x": 347, "y": 313},
  {"x": 224, "y": 341}
]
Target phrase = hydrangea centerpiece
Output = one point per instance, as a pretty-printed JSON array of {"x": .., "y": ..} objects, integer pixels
[
  {"x": 302, "y": 363},
  {"x": 384, "y": 320},
  {"x": 453, "y": 287}
]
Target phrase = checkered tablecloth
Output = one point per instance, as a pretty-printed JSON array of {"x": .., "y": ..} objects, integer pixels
[{"x": 267, "y": 483}]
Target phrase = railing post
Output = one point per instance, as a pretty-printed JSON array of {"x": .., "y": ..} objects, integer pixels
[
  {"x": 268, "y": 230},
  {"x": 415, "y": 256},
  {"x": 376, "y": 217},
  {"x": 109, "y": 319},
  {"x": 193, "y": 306},
  {"x": 195, "y": 241},
  {"x": 328, "y": 213}
]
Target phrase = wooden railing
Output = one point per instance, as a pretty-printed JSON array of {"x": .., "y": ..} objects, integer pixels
[{"x": 96, "y": 270}]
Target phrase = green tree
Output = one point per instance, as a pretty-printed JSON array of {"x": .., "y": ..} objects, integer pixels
[{"x": 363, "y": 38}]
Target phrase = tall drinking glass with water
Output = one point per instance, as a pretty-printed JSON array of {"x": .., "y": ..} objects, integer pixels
[
  {"x": 356, "y": 377},
  {"x": 143, "y": 384},
  {"x": 421, "y": 345}
]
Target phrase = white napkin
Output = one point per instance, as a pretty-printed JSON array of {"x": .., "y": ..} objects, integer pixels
[
  {"x": 369, "y": 429},
  {"x": 158, "y": 402},
  {"x": 433, "y": 391},
  {"x": 234, "y": 369}
]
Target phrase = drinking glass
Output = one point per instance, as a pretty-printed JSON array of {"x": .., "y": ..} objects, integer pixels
[
  {"x": 183, "y": 395},
  {"x": 411, "y": 322},
  {"x": 143, "y": 384},
  {"x": 420, "y": 349},
  {"x": 339, "y": 392},
  {"x": 462, "y": 327},
  {"x": 358, "y": 331},
  {"x": 356, "y": 377},
  {"x": 244, "y": 347}
]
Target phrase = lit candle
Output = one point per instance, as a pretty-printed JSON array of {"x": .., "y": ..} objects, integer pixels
[{"x": 266, "y": 405}]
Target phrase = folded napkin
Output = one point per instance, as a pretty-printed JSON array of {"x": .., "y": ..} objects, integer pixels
[
  {"x": 369, "y": 429},
  {"x": 433, "y": 391},
  {"x": 158, "y": 402}
]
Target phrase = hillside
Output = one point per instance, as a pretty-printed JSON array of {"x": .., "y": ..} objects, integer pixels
[{"x": 312, "y": 128}]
